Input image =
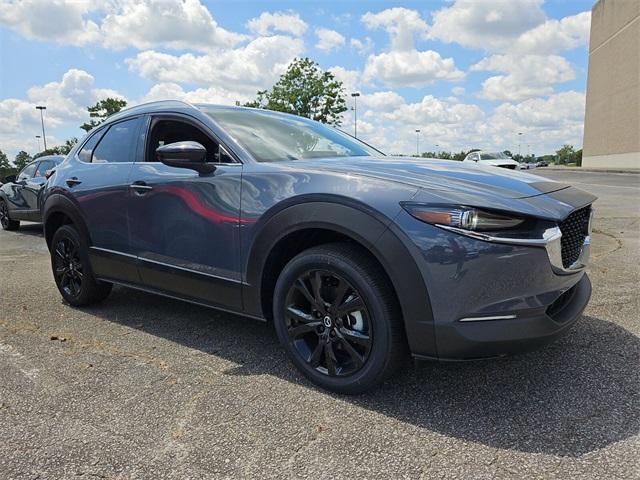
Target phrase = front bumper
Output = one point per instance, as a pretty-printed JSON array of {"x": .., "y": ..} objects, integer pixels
[{"x": 529, "y": 330}]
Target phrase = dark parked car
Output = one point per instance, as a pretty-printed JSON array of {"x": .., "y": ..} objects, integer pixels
[
  {"x": 20, "y": 196},
  {"x": 358, "y": 258}
]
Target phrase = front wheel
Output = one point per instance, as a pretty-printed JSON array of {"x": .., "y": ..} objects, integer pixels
[
  {"x": 5, "y": 219},
  {"x": 338, "y": 319},
  {"x": 72, "y": 271}
]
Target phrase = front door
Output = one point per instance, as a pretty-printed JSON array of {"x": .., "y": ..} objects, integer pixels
[{"x": 183, "y": 225}]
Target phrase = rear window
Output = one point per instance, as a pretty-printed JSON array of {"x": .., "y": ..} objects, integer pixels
[{"x": 87, "y": 149}]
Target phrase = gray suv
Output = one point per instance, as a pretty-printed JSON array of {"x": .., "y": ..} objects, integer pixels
[{"x": 360, "y": 260}]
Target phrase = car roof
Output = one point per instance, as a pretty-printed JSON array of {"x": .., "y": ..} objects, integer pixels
[{"x": 55, "y": 158}]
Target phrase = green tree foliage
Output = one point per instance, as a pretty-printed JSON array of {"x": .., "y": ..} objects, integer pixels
[
  {"x": 59, "y": 149},
  {"x": 566, "y": 154},
  {"x": 22, "y": 158},
  {"x": 4, "y": 160},
  {"x": 101, "y": 110},
  {"x": 305, "y": 90}
]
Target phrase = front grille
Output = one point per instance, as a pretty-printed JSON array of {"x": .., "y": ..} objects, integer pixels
[{"x": 574, "y": 230}]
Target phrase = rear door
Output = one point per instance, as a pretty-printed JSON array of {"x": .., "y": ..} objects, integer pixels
[
  {"x": 18, "y": 195},
  {"x": 99, "y": 183}
]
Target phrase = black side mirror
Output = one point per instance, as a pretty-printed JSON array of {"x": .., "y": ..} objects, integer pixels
[
  {"x": 185, "y": 155},
  {"x": 10, "y": 179}
]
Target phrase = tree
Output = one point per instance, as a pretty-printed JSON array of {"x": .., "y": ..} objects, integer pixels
[
  {"x": 102, "y": 110},
  {"x": 566, "y": 154},
  {"x": 305, "y": 90},
  {"x": 508, "y": 153},
  {"x": 59, "y": 149},
  {"x": 22, "y": 158},
  {"x": 4, "y": 160}
]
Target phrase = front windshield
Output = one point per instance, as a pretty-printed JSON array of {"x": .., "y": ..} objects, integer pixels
[
  {"x": 271, "y": 137},
  {"x": 494, "y": 156}
]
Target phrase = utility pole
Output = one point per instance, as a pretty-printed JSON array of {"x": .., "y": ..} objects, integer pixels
[
  {"x": 417, "y": 142},
  {"x": 355, "y": 96},
  {"x": 519, "y": 141},
  {"x": 44, "y": 137}
]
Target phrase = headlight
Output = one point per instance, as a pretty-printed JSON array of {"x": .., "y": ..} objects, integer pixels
[{"x": 466, "y": 218}]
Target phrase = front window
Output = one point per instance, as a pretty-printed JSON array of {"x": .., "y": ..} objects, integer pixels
[{"x": 270, "y": 136}]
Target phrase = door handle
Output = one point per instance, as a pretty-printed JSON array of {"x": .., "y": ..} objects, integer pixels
[
  {"x": 140, "y": 187},
  {"x": 73, "y": 181}
]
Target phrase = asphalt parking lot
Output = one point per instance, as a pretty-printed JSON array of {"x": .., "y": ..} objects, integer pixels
[{"x": 146, "y": 387}]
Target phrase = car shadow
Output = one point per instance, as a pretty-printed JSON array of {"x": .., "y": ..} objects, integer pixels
[
  {"x": 30, "y": 229},
  {"x": 578, "y": 395}
]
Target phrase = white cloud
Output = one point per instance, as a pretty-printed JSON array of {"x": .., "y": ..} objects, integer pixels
[
  {"x": 458, "y": 90},
  {"x": 175, "y": 24},
  {"x": 410, "y": 68},
  {"x": 514, "y": 26},
  {"x": 546, "y": 123},
  {"x": 329, "y": 39},
  {"x": 286, "y": 22},
  {"x": 555, "y": 35},
  {"x": 66, "y": 103},
  {"x": 486, "y": 24},
  {"x": 245, "y": 69},
  {"x": 387, "y": 101},
  {"x": 402, "y": 24},
  {"x": 178, "y": 24},
  {"x": 173, "y": 91},
  {"x": 351, "y": 79},
  {"x": 62, "y": 21},
  {"x": 362, "y": 46},
  {"x": 527, "y": 75}
]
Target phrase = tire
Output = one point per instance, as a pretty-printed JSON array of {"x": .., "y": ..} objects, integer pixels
[
  {"x": 359, "y": 331},
  {"x": 5, "y": 220},
  {"x": 72, "y": 270}
]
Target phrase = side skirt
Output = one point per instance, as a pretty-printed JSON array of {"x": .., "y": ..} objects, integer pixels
[{"x": 182, "y": 299}]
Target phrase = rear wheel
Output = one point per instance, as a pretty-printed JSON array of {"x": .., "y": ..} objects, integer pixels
[
  {"x": 5, "y": 220},
  {"x": 72, "y": 271},
  {"x": 337, "y": 317}
]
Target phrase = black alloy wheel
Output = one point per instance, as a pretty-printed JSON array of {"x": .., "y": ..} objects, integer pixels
[
  {"x": 5, "y": 219},
  {"x": 72, "y": 270},
  {"x": 328, "y": 323},
  {"x": 338, "y": 319},
  {"x": 68, "y": 269}
]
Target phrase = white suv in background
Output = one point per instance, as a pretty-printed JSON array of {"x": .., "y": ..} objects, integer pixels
[{"x": 494, "y": 159}]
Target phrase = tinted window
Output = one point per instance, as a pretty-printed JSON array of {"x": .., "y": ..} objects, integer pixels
[
  {"x": 28, "y": 171},
  {"x": 87, "y": 149},
  {"x": 44, "y": 166},
  {"x": 118, "y": 144}
]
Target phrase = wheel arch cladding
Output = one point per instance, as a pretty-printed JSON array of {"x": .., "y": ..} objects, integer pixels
[
  {"x": 58, "y": 210},
  {"x": 313, "y": 223}
]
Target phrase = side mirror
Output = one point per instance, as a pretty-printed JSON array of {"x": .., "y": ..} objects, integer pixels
[
  {"x": 185, "y": 155},
  {"x": 10, "y": 179}
]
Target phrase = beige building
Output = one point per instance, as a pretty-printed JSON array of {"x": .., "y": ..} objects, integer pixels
[{"x": 612, "y": 117}]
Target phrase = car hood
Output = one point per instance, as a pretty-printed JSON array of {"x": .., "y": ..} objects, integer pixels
[{"x": 447, "y": 178}]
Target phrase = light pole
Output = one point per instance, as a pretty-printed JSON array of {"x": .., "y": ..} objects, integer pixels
[
  {"x": 38, "y": 137},
  {"x": 44, "y": 137},
  {"x": 355, "y": 96},
  {"x": 417, "y": 142},
  {"x": 519, "y": 137}
]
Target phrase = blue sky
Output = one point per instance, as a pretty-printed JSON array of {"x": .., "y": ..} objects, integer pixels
[{"x": 468, "y": 73}]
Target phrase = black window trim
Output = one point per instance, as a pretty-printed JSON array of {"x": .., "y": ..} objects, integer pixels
[
  {"x": 191, "y": 121},
  {"x": 102, "y": 130}
]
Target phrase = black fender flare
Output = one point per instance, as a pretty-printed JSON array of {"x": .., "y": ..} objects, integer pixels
[
  {"x": 376, "y": 232},
  {"x": 58, "y": 203}
]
